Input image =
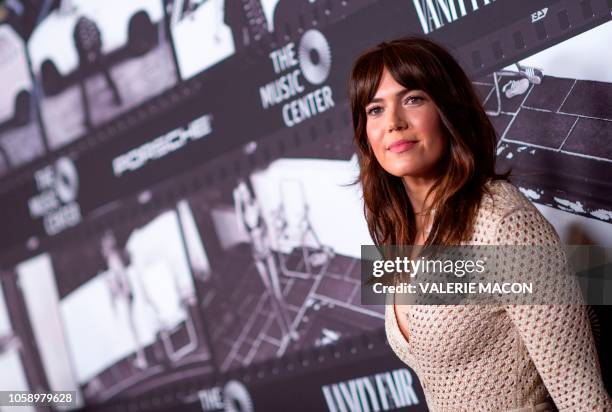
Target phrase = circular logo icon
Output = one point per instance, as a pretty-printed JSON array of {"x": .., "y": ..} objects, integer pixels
[
  {"x": 236, "y": 398},
  {"x": 66, "y": 180},
  {"x": 315, "y": 56}
]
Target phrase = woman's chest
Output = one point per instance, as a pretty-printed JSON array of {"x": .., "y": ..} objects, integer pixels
[{"x": 448, "y": 336}]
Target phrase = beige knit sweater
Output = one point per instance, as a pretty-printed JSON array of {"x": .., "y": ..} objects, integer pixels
[{"x": 504, "y": 357}]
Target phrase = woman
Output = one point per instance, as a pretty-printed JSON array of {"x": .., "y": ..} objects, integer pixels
[{"x": 427, "y": 159}]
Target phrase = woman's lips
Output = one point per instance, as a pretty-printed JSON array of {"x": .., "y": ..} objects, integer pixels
[{"x": 402, "y": 146}]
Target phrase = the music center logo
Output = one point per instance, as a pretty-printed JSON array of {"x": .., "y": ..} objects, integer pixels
[
  {"x": 233, "y": 397},
  {"x": 310, "y": 63},
  {"x": 55, "y": 202},
  {"x": 385, "y": 391},
  {"x": 434, "y": 14}
]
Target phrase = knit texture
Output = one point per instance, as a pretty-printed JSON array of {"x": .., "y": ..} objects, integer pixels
[{"x": 502, "y": 357}]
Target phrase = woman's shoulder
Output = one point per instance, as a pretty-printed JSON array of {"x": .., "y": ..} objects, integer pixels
[
  {"x": 502, "y": 198},
  {"x": 505, "y": 210}
]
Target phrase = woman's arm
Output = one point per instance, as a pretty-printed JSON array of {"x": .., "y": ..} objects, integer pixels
[{"x": 558, "y": 337}]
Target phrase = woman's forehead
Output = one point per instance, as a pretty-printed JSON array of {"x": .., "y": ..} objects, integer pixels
[{"x": 389, "y": 88}]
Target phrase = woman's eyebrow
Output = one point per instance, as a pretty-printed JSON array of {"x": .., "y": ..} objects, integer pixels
[{"x": 398, "y": 94}]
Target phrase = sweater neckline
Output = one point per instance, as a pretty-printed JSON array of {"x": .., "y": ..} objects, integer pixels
[{"x": 404, "y": 338}]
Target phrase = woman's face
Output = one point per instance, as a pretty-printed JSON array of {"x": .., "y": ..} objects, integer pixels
[{"x": 404, "y": 130}]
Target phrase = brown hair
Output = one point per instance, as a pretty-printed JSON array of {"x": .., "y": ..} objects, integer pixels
[{"x": 468, "y": 162}]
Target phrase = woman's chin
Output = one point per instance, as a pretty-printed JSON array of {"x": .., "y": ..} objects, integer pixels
[{"x": 406, "y": 172}]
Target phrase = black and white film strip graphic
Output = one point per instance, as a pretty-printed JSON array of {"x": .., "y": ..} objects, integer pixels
[
  {"x": 523, "y": 32},
  {"x": 532, "y": 33},
  {"x": 172, "y": 117}
]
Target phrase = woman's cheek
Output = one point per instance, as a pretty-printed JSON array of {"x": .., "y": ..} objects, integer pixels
[{"x": 373, "y": 138}]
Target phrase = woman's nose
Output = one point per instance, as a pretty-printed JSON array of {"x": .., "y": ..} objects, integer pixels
[{"x": 396, "y": 120}]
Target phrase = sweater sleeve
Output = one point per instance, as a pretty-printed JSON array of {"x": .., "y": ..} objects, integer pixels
[{"x": 558, "y": 337}]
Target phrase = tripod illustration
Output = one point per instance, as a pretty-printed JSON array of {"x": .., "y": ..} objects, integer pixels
[
  {"x": 294, "y": 231},
  {"x": 250, "y": 218}
]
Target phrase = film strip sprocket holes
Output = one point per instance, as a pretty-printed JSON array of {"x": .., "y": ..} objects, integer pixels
[
  {"x": 550, "y": 25},
  {"x": 480, "y": 57},
  {"x": 318, "y": 14},
  {"x": 299, "y": 16}
]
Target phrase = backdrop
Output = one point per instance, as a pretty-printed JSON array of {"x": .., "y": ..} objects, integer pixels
[{"x": 179, "y": 227}]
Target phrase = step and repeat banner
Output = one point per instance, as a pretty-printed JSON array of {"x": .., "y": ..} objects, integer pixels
[{"x": 180, "y": 227}]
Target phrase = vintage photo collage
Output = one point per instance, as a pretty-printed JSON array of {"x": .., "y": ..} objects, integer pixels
[
  {"x": 258, "y": 256},
  {"x": 73, "y": 66},
  {"x": 262, "y": 262}
]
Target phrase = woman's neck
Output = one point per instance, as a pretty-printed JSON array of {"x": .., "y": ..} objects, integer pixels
[{"x": 417, "y": 189}]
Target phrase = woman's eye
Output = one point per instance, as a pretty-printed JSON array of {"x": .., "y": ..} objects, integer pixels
[
  {"x": 413, "y": 100},
  {"x": 373, "y": 111}
]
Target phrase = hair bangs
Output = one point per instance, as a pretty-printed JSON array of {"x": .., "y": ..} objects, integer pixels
[
  {"x": 367, "y": 75},
  {"x": 407, "y": 72}
]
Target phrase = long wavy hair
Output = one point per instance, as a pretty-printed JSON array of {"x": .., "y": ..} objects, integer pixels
[{"x": 468, "y": 162}]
